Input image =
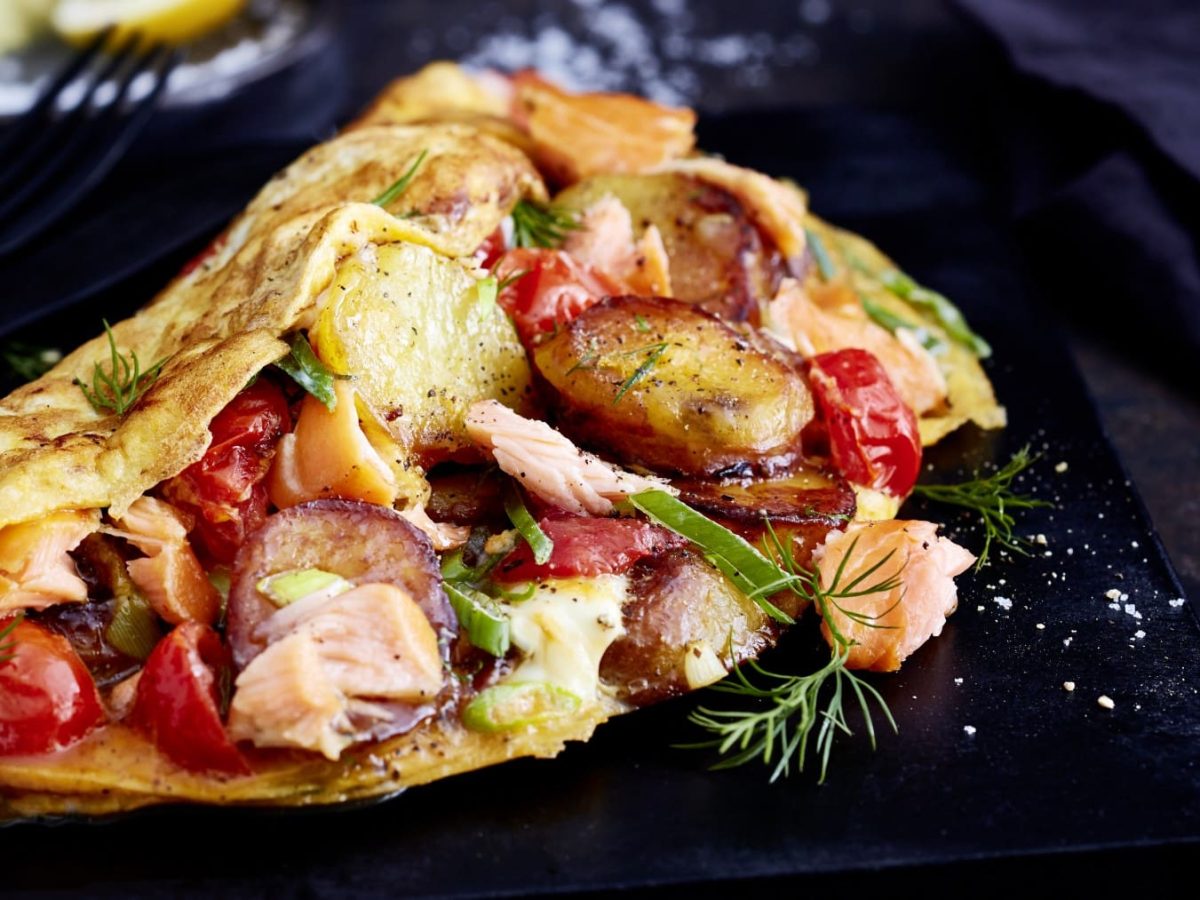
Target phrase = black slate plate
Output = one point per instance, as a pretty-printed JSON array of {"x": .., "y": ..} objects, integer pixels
[{"x": 1046, "y": 771}]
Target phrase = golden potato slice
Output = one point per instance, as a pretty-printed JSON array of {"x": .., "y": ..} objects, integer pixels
[
  {"x": 662, "y": 384},
  {"x": 718, "y": 259},
  {"x": 423, "y": 342}
]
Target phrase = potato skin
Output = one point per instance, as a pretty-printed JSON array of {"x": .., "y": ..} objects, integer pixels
[
  {"x": 676, "y": 599},
  {"x": 711, "y": 399},
  {"x": 719, "y": 261}
]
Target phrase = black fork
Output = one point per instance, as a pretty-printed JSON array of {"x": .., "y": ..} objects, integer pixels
[{"x": 55, "y": 153}]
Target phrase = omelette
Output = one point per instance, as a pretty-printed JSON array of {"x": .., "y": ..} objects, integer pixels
[{"x": 500, "y": 413}]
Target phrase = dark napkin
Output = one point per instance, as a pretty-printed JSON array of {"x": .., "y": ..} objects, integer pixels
[{"x": 1101, "y": 120}]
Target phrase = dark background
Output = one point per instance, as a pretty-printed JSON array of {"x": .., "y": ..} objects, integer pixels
[{"x": 1056, "y": 190}]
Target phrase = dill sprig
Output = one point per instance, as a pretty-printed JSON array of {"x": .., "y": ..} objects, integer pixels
[
  {"x": 653, "y": 353},
  {"x": 401, "y": 184},
  {"x": 540, "y": 225},
  {"x": 8, "y": 643},
  {"x": 993, "y": 499},
  {"x": 123, "y": 384},
  {"x": 28, "y": 361},
  {"x": 791, "y": 709}
]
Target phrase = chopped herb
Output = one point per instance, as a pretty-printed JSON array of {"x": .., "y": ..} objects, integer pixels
[
  {"x": 305, "y": 368},
  {"x": 540, "y": 225},
  {"x": 134, "y": 628},
  {"x": 892, "y": 322},
  {"x": 28, "y": 361},
  {"x": 640, "y": 323},
  {"x": 507, "y": 707},
  {"x": 655, "y": 352},
  {"x": 820, "y": 254},
  {"x": 285, "y": 588},
  {"x": 486, "y": 625},
  {"x": 993, "y": 499},
  {"x": 512, "y": 279},
  {"x": 487, "y": 290},
  {"x": 8, "y": 643},
  {"x": 528, "y": 527},
  {"x": 401, "y": 185},
  {"x": 945, "y": 312},
  {"x": 123, "y": 384}
]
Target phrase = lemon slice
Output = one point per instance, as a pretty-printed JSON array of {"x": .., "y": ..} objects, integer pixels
[{"x": 169, "y": 21}]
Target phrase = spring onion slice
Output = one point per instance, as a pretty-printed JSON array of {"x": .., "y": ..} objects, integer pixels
[
  {"x": 134, "y": 628},
  {"x": 307, "y": 370},
  {"x": 486, "y": 625},
  {"x": 527, "y": 526},
  {"x": 757, "y": 576},
  {"x": 286, "y": 588},
  {"x": 821, "y": 255},
  {"x": 892, "y": 322},
  {"x": 507, "y": 707},
  {"x": 946, "y": 313}
]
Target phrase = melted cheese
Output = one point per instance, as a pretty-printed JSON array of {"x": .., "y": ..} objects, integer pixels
[
  {"x": 564, "y": 629},
  {"x": 874, "y": 506}
]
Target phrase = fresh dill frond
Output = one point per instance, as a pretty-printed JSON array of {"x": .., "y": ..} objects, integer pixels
[
  {"x": 653, "y": 353},
  {"x": 28, "y": 361},
  {"x": 512, "y": 279},
  {"x": 8, "y": 643},
  {"x": 540, "y": 225},
  {"x": 993, "y": 498},
  {"x": 789, "y": 709},
  {"x": 123, "y": 384},
  {"x": 401, "y": 185}
]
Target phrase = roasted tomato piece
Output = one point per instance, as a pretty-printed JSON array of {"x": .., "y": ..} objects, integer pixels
[
  {"x": 588, "y": 546},
  {"x": 490, "y": 250},
  {"x": 547, "y": 289},
  {"x": 178, "y": 701},
  {"x": 873, "y": 436},
  {"x": 361, "y": 542},
  {"x": 224, "y": 488},
  {"x": 48, "y": 700}
]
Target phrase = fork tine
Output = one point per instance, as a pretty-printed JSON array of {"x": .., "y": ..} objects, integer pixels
[
  {"x": 30, "y": 119},
  {"x": 121, "y": 131},
  {"x": 46, "y": 153}
]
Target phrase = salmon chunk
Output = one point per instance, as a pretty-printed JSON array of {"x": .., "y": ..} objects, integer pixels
[
  {"x": 604, "y": 241},
  {"x": 899, "y": 620},
  {"x": 35, "y": 568}
]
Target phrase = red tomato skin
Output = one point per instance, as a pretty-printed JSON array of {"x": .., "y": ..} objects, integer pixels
[
  {"x": 873, "y": 436},
  {"x": 491, "y": 249},
  {"x": 553, "y": 290},
  {"x": 48, "y": 700},
  {"x": 587, "y": 546},
  {"x": 177, "y": 701},
  {"x": 200, "y": 258},
  {"x": 224, "y": 488}
]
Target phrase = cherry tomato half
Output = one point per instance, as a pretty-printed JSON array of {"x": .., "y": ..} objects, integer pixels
[
  {"x": 177, "y": 704},
  {"x": 587, "y": 546},
  {"x": 873, "y": 436},
  {"x": 223, "y": 489},
  {"x": 490, "y": 250},
  {"x": 551, "y": 290},
  {"x": 47, "y": 697}
]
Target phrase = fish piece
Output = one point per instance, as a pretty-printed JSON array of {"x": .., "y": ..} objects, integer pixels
[
  {"x": 324, "y": 657},
  {"x": 899, "y": 620},
  {"x": 604, "y": 241},
  {"x": 35, "y": 568},
  {"x": 328, "y": 456},
  {"x": 169, "y": 576},
  {"x": 549, "y": 465},
  {"x": 813, "y": 329}
]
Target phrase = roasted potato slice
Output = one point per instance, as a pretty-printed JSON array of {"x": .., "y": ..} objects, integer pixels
[
  {"x": 662, "y": 384},
  {"x": 718, "y": 258},
  {"x": 680, "y": 605},
  {"x": 423, "y": 343}
]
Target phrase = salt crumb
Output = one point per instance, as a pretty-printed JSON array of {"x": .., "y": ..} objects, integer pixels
[
  {"x": 969, "y": 729},
  {"x": 958, "y": 681},
  {"x": 1105, "y": 701},
  {"x": 1113, "y": 594},
  {"x": 1134, "y": 544},
  {"x": 1067, "y": 641},
  {"x": 1061, "y": 467},
  {"x": 1139, "y": 634},
  {"x": 1003, "y": 602},
  {"x": 1177, "y": 602},
  {"x": 1068, "y": 686},
  {"x": 980, "y": 608},
  {"x": 1040, "y": 626},
  {"x": 1041, "y": 539}
]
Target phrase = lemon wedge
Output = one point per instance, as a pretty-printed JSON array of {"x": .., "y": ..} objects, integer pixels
[{"x": 168, "y": 21}]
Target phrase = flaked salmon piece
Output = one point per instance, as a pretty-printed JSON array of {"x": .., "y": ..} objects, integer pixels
[
  {"x": 328, "y": 661},
  {"x": 549, "y": 465},
  {"x": 443, "y": 535},
  {"x": 36, "y": 569},
  {"x": 328, "y": 456},
  {"x": 776, "y": 207},
  {"x": 812, "y": 329},
  {"x": 579, "y": 135},
  {"x": 169, "y": 576},
  {"x": 604, "y": 241},
  {"x": 905, "y": 617}
]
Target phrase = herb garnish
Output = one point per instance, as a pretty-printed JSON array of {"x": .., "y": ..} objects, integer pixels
[
  {"x": 28, "y": 361},
  {"x": 123, "y": 384},
  {"x": 993, "y": 499},
  {"x": 653, "y": 353},
  {"x": 825, "y": 266},
  {"x": 946, "y": 313},
  {"x": 512, "y": 279},
  {"x": 540, "y": 225},
  {"x": 401, "y": 184},
  {"x": 306, "y": 369},
  {"x": 8, "y": 643}
]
